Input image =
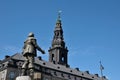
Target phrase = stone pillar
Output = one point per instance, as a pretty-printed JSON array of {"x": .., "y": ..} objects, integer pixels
[
  {"x": 23, "y": 78},
  {"x": 37, "y": 76}
]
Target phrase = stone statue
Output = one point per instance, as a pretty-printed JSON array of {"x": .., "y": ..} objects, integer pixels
[{"x": 30, "y": 52}]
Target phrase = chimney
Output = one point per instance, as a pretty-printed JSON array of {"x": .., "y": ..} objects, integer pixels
[
  {"x": 7, "y": 56},
  {"x": 87, "y": 72},
  {"x": 39, "y": 57},
  {"x": 97, "y": 75},
  {"x": 77, "y": 69}
]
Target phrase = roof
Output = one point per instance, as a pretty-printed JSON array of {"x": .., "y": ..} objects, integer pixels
[{"x": 59, "y": 67}]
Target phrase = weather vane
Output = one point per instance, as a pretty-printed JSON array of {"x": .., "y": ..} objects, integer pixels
[{"x": 101, "y": 69}]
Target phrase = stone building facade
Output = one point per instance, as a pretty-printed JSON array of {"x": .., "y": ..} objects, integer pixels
[{"x": 57, "y": 68}]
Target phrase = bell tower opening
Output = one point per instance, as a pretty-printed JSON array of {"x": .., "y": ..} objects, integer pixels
[
  {"x": 62, "y": 59},
  {"x": 52, "y": 57}
]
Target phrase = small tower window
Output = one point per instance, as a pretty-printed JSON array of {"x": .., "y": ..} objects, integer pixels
[
  {"x": 62, "y": 59},
  {"x": 56, "y": 34},
  {"x": 52, "y": 57}
]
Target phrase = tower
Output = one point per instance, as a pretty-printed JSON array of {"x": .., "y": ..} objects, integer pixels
[{"x": 58, "y": 51}]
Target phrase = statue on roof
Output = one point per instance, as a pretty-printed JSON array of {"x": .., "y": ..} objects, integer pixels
[{"x": 30, "y": 52}]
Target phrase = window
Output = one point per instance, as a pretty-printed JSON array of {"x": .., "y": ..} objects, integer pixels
[
  {"x": 0, "y": 65},
  {"x": 69, "y": 76},
  {"x": 52, "y": 57},
  {"x": 12, "y": 75},
  {"x": 45, "y": 78},
  {"x": 3, "y": 76},
  {"x": 62, "y": 59}
]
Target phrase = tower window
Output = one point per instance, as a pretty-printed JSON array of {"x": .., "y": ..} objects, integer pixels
[
  {"x": 56, "y": 34},
  {"x": 62, "y": 59},
  {"x": 52, "y": 57},
  {"x": 3, "y": 76}
]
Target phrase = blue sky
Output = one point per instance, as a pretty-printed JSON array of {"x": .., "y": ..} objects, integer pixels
[{"x": 91, "y": 30}]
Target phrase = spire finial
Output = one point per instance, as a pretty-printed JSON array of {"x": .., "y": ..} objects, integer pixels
[{"x": 59, "y": 14}]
